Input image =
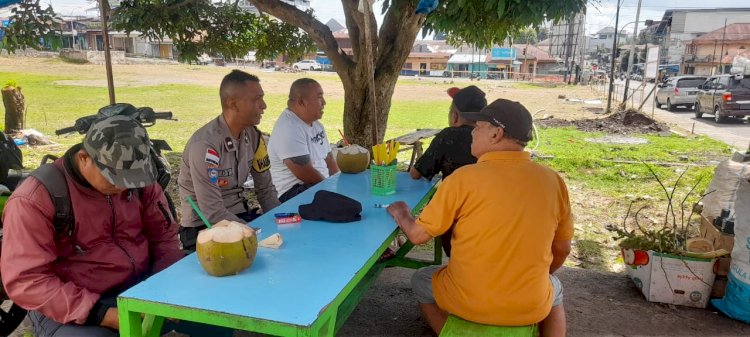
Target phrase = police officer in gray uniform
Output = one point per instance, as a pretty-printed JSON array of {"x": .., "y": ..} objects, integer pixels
[{"x": 220, "y": 155}]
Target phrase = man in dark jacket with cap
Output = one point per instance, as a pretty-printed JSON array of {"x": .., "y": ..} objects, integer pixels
[
  {"x": 451, "y": 148},
  {"x": 122, "y": 233}
]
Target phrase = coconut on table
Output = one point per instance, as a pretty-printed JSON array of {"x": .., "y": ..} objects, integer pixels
[
  {"x": 352, "y": 158},
  {"x": 226, "y": 248}
]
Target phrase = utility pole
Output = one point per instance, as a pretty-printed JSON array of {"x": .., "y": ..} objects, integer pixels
[
  {"x": 721, "y": 53},
  {"x": 568, "y": 45},
  {"x": 632, "y": 51},
  {"x": 612, "y": 66}
]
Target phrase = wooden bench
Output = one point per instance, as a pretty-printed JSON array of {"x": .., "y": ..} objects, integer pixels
[
  {"x": 458, "y": 327},
  {"x": 413, "y": 141}
]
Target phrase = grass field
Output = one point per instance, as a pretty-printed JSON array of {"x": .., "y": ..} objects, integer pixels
[{"x": 602, "y": 177}]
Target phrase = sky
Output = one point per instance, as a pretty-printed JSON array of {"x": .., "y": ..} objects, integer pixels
[{"x": 600, "y": 13}]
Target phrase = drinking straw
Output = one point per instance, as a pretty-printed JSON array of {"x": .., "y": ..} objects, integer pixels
[
  {"x": 344, "y": 138},
  {"x": 195, "y": 208}
]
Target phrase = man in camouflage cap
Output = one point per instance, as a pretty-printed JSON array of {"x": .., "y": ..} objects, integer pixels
[
  {"x": 122, "y": 233},
  {"x": 119, "y": 146}
]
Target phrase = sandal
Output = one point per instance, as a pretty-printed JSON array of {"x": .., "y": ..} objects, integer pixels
[{"x": 387, "y": 255}]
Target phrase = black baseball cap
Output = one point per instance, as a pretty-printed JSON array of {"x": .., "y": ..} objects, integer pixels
[
  {"x": 331, "y": 206},
  {"x": 509, "y": 115},
  {"x": 469, "y": 99}
]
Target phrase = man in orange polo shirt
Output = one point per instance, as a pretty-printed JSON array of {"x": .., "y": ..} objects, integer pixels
[{"x": 512, "y": 231}]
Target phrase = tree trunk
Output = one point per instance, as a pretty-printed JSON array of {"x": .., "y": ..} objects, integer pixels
[
  {"x": 387, "y": 50},
  {"x": 15, "y": 105},
  {"x": 358, "y": 110}
]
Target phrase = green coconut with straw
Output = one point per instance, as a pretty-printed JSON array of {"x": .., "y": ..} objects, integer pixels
[
  {"x": 226, "y": 248},
  {"x": 352, "y": 159}
]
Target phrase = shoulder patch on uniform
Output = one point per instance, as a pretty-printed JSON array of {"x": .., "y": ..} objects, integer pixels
[
  {"x": 223, "y": 182},
  {"x": 213, "y": 175},
  {"x": 261, "y": 161},
  {"x": 212, "y": 157}
]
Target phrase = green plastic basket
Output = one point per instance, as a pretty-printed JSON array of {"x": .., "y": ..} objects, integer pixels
[{"x": 383, "y": 179}]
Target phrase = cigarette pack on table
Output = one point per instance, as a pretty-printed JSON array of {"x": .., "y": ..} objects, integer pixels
[{"x": 289, "y": 219}]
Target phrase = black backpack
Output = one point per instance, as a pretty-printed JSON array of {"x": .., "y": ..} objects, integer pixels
[
  {"x": 53, "y": 179},
  {"x": 10, "y": 158}
]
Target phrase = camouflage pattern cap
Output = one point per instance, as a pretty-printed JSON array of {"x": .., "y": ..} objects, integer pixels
[{"x": 119, "y": 146}]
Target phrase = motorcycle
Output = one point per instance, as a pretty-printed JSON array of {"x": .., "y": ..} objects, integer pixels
[
  {"x": 11, "y": 175},
  {"x": 147, "y": 117}
]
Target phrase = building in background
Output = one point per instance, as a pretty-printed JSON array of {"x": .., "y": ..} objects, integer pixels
[
  {"x": 567, "y": 43},
  {"x": 714, "y": 52},
  {"x": 680, "y": 26},
  {"x": 426, "y": 64},
  {"x": 602, "y": 40}
]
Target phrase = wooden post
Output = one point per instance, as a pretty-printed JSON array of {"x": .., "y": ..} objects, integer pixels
[
  {"x": 103, "y": 14},
  {"x": 15, "y": 105},
  {"x": 370, "y": 69}
]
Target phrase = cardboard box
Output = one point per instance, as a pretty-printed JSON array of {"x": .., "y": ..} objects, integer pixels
[
  {"x": 720, "y": 240},
  {"x": 673, "y": 279}
]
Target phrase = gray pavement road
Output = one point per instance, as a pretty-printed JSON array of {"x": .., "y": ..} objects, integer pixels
[{"x": 735, "y": 133}]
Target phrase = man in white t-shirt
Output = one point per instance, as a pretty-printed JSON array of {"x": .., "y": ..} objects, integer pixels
[{"x": 299, "y": 150}]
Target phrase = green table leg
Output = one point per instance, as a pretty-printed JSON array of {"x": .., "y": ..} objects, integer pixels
[
  {"x": 130, "y": 322},
  {"x": 438, "y": 242},
  {"x": 152, "y": 325},
  {"x": 325, "y": 327}
]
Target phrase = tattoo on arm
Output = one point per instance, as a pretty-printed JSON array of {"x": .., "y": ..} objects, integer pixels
[{"x": 301, "y": 160}]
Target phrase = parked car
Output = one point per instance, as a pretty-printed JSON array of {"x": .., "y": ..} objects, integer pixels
[
  {"x": 724, "y": 96},
  {"x": 678, "y": 90},
  {"x": 204, "y": 59},
  {"x": 307, "y": 65}
]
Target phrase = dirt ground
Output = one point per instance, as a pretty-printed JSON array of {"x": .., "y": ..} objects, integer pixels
[
  {"x": 623, "y": 123},
  {"x": 539, "y": 100},
  {"x": 598, "y": 304}
]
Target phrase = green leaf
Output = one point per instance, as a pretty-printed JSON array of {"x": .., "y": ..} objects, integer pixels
[
  {"x": 217, "y": 29},
  {"x": 488, "y": 5},
  {"x": 500, "y": 8}
]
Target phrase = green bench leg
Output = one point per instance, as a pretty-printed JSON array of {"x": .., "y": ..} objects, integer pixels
[{"x": 458, "y": 327}]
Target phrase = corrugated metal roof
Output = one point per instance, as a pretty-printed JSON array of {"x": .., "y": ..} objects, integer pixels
[
  {"x": 734, "y": 32},
  {"x": 429, "y": 55},
  {"x": 535, "y": 52}
]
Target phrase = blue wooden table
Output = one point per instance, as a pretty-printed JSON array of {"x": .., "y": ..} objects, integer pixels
[{"x": 308, "y": 287}]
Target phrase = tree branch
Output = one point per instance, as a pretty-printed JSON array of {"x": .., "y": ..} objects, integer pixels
[
  {"x": 319, "y": 32},
  {"x": 355, "y": 27},
  {"x": 397, "y": 34}
]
